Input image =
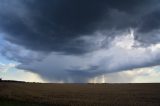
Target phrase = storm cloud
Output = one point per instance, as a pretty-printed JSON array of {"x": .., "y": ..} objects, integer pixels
[
  {"x": 84, "y": 33},
  {"x": 55, "y": 25}
]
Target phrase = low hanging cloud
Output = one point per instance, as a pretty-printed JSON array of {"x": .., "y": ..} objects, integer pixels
[
  {"x": 75, "y": 40},
  {"x": 123, "y": 54}
]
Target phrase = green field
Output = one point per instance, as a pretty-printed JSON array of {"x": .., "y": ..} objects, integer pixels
[{"x": 37, "y": 94}]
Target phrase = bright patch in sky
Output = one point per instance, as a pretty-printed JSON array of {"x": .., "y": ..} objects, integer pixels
[
  {"x": 9, "y": 72},
  {"x": 142, "y": 75}
]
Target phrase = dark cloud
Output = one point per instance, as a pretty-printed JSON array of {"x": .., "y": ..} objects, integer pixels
[
  {"x": 54, "y": 25},
  {"x": 150, "y": 22},
  {"x": 41, "y": 33},
  {"x": 19, "y": 54}
]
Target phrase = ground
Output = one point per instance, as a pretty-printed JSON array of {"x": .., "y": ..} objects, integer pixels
[{"x": 38, "y": 94}]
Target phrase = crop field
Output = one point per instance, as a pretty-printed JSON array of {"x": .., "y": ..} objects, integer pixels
[{"x": 38, "y": 94}]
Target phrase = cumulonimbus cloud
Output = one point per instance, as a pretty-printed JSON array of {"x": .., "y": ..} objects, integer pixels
[
  {"x": 123, "y": 54},
  {"x": 76, "y": 40}
]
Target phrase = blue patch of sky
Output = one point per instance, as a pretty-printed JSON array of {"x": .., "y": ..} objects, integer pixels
[
  {"x": 12, "y": 73},
  {"x": 157, "y": 68}
]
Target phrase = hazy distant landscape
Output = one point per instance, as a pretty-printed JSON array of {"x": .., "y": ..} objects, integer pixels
[{"x": 38, "y": 94}]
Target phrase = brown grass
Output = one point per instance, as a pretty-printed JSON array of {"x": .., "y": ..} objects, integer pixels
[{"x": 83, "y": 94}]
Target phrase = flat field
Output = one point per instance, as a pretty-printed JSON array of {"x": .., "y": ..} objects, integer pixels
[{"x": 47, "y": 94}]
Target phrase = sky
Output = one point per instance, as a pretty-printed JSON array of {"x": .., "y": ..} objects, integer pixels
[{"x": 80, "y": 41}]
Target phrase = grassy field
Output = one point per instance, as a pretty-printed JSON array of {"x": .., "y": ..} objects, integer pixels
[{"x": 37, "y": 94}]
